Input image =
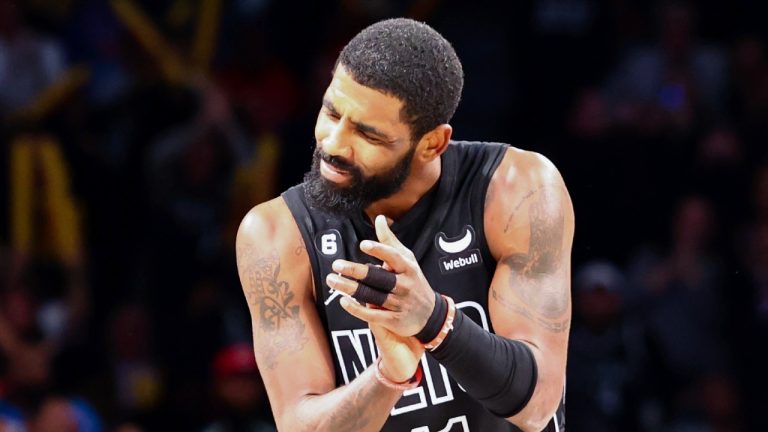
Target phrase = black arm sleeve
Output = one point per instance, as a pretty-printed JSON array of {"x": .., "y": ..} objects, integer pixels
[{"x": 498, "y": 372}]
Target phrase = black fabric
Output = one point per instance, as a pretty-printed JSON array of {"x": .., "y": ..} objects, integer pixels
[
  {"x": 367, "y": 294},
  {"x": 452, "y": 209},
  {"x": 379, "y": 278},
  {"x": 435, "y": 322},
  {"x": 422, "y": 214},
  {"x": 499, "y": 372}
]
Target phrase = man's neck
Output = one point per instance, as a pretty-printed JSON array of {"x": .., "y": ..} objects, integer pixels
[{"x": 420, "y": 181}]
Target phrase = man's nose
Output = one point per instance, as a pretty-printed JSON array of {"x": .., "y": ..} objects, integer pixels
[{"x": 336, "y": 143}]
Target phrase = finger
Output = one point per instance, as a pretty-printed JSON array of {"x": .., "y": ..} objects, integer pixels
[
  {"x": 384, "y": 234},
  {"x": 350, "y": 269},
  {"x": 378, "y": 331},
  {"x": 369, "y": 315},
  {"x": 391, "y": 255},
  {"x": 368, "y": 274},
  {"x": 357, "y": 290},
  {"x": 340, "y": 283}
]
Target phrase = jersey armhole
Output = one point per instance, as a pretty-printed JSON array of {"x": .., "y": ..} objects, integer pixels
[
  {"x": 302, "y": 219},
  {"x": 489, "y": 168}
]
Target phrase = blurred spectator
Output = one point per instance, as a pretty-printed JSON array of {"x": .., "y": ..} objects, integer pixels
[
  {"x": 605, "y": 360},
  {"x": 137, "y": 380},
  {"x": 191, "y": 169},
  {"x": 591, "y": 118},
  {"x": 11, "y": 419},
  {"x": 721, "y": 147},
  {"x": 686, "y": 324},
  {"x": 59, "y": 414},
  {"x": 29, "y": 61},
  {"x": 668, "y": 86},
  {"x": 750, "y": 72},
  {"x": 187, "y": 360},
  {"x": 240, "y": 398},
  {"x": 41, "y": 315},
  {"x": 720, "y": 172}
]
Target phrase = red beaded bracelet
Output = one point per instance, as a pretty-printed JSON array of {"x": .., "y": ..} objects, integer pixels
[
  {"x": 447, "y": 325},
  {"x": 413, "y": 382}
]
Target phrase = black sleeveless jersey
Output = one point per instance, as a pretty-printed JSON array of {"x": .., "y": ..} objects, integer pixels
[{"x": 446, "y": 234}]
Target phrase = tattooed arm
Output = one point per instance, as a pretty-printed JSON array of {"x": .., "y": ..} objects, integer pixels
[
  {"x": 290, "y": 346},
  {"x": 529, "y": 225}
]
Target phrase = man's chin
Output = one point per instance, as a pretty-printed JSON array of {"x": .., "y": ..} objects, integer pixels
[{"x": 323, "y": 194}]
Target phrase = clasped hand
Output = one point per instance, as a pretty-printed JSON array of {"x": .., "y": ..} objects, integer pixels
[{"x": 407, "y": 307}]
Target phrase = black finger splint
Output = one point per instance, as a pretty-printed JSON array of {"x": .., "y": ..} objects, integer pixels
[
  {"x": 379, "y": 278},
  {"x": 367, "y": 294}
]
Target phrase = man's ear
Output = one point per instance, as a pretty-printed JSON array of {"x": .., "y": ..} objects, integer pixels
[{"x": 434, "y": 143}]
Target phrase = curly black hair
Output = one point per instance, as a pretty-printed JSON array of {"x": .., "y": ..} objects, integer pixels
[{"x": 412, "y": 62}]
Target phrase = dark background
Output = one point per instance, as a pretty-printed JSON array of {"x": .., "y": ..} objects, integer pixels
[{"x": 128, "y": 160}]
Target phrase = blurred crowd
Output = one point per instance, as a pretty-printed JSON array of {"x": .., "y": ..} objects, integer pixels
[{"x": 135, "y": 134}]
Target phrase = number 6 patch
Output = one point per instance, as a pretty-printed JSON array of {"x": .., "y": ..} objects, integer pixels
[{"x": 328, "y": 243}]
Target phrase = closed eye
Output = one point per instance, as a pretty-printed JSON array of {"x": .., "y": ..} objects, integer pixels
[
  {"x": 371, "y": 138},
  {"x": 332, "y": 114},
  {"x": 330, "y": 110},
  {"x": 369, "y": 133}
]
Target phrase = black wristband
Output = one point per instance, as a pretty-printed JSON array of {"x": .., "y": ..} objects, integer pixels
[
  {"x": 499, "y": 373},
  {"x": 435, "y": 322}
]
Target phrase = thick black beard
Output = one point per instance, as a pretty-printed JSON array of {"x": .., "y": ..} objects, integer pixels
[{"x": 325, "y": 195}]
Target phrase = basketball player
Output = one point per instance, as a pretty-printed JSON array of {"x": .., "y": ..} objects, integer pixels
[{"x": 411, "y": 282}]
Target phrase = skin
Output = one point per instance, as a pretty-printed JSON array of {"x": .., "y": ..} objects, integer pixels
[{"x": 529, "y": 227}]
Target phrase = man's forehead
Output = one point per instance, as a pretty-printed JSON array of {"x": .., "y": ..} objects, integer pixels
[{"x": 360, "y": 102}]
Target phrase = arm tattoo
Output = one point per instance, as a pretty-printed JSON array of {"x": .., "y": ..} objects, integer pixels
[
  {"x": 547, "y": 223},
  {"x": 278, "y": 322},
  {"x": 552, "y": 326},
  {"x": 300, "y": 248},
  {"x": 517, "y": 207},
  {"x": 540, "y": 296}
]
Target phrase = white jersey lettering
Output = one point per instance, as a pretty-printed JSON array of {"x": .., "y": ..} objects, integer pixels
[
  {"x": 449, "y": 427},
  {"x": 436, "y": 382}
]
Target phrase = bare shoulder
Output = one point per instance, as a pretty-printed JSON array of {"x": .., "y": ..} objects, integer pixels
[
  {"x": 520, "y": 169},
  {"x": 270, "y": 227},
  {"x": 267, "y": 221},
  {"x": 526, "y": 189}
]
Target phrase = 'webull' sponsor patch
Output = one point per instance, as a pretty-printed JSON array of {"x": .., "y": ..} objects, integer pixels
[{"x": 460, "y": 261}]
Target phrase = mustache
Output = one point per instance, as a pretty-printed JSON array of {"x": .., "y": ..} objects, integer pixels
[{"x": 336, "y": 161}]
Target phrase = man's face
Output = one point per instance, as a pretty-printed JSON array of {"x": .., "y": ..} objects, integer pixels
[{"x": 364, "y": 151}]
